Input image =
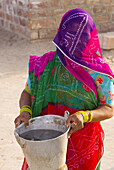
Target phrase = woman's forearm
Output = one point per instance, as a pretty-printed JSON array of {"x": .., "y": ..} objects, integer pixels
[
  {"x": 102, "y": 112},
  {"x": 25, "y": 99}
]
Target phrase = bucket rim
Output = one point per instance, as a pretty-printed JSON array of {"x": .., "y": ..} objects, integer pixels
[{"x": 48, "y": 140}]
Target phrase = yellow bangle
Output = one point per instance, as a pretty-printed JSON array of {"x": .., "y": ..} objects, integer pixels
[
  {"x": 26, "y": 106},
  {"x": 27, "y": 110},
  {"x": 85, "y": 115},
  {"x": 91, "y": 116}
]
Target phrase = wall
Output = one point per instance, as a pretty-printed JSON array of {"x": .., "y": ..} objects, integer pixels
[
  {"x": 14, "y": 15},
  {"x": 39, "y": 19}
]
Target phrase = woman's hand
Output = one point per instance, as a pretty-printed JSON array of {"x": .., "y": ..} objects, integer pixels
[
  {"x": 24, "y": 117},
  {"x": 76, "y": 120},
  {"x": 25, "y": 99}
]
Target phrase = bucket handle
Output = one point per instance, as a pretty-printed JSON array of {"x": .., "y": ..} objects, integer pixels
[{"x": 66, "y": 114}]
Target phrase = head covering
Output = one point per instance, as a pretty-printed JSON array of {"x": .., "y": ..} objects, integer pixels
[{"x": 78, "y": 44}]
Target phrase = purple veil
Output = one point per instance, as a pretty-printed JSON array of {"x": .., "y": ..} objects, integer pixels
[{"x": 78, "y": 45}]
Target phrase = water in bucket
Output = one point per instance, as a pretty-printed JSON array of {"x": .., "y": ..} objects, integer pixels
[{"x": 41, "y": 134}]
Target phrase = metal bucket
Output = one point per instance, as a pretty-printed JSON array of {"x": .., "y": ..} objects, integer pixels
[{"x": 47, "y": 154}]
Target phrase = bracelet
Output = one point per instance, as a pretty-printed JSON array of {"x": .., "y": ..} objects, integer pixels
[
  {"x": 26, "y": 106},
  {"x": 91, "y": 116},
  {"x": 85, "y": 115},
  {"x": 27, "y": 110}
]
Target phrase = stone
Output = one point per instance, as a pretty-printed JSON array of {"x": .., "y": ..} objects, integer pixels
[
  {"x": 6, "y": 24},
  {"x": 93, "y": 2},
  {"x": 0, "y": 5},
  {"x": 23, "y": 22},
  {"x": 15, "y": 11},
  {"x": 12, "y": 27},
  {"x": 111, "y": 9},
  {"x": 47, "y": 33},
  {"x": 1, "y": 22},
  {"x": 112, "y": 17},
  {"x": 8, "y": 17},
  {"x": 58, "y": 12},
  {"x": 107, "y": 27},
  {"x": 102, "y": 18},
  {"x": 106, "y": 1},
  {"x": 107, "y": 40},
  {"x": 55, "y": 3},
  {"x": 44, "y": 13},
  {"x": 42, "y": 23},
  {"x": 43, "y": 5},
  {"x": 26, "y": 14},
  {"x": 78, "y": 2},
  {"x": 16, "y": 20},
  {"x": 20, "y": 30},
  {"x": 21, "y": 4},
  {"x": 1, "y": 14},
  {"x": 99, "y": 9},
  {"x": 37, "y": 5},
  {"x": 66, "y": 3},
  {"x": 19, "y": 12},
  {"x": 58, "y": 20},
  {"x": 34, "y": 35}
]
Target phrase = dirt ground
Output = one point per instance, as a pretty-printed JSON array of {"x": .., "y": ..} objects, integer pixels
[{"x": 14, "y": 55}]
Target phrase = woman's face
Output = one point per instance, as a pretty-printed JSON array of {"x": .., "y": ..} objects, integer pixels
[{"x": 75, "y": 34}]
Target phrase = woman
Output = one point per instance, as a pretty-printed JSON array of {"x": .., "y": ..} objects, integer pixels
[{"x": 75, "y": 78}]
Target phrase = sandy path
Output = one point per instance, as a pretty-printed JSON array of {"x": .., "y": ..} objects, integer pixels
[{"x": 14, "y": 53}]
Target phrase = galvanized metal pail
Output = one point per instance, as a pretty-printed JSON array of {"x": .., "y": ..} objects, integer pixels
[{"x": 47, "y": 154}]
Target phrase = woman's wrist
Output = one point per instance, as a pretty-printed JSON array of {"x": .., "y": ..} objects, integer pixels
[
  {"x": 26, "y": 108},
  {"x": 90, "y": 116},
  {"x": 87, "y": 115}
]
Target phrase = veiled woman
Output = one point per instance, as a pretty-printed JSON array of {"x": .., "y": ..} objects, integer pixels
[{"x": 75, "y": 78}]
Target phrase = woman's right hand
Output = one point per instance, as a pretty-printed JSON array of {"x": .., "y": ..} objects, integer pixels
[{"x": 23, "y": 117}]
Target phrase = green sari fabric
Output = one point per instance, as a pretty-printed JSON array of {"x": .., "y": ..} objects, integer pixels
[{"x": 57, "y": 86}]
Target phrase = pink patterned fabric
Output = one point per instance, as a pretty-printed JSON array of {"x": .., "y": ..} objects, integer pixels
[{"x": 39, "y": 63}]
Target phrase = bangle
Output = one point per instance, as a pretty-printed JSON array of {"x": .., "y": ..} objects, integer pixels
[
  {"x": 26, "y": 106},
  {"x": 27, "y": 110},
  {"x": 85, "y": 115},
  {"x": 91, "y": 116}
]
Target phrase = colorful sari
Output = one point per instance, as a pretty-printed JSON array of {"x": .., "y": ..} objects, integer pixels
[{"x": 73, "y": 79}]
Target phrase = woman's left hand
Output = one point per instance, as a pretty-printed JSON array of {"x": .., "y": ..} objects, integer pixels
[{"x": 76, "y": 120}]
